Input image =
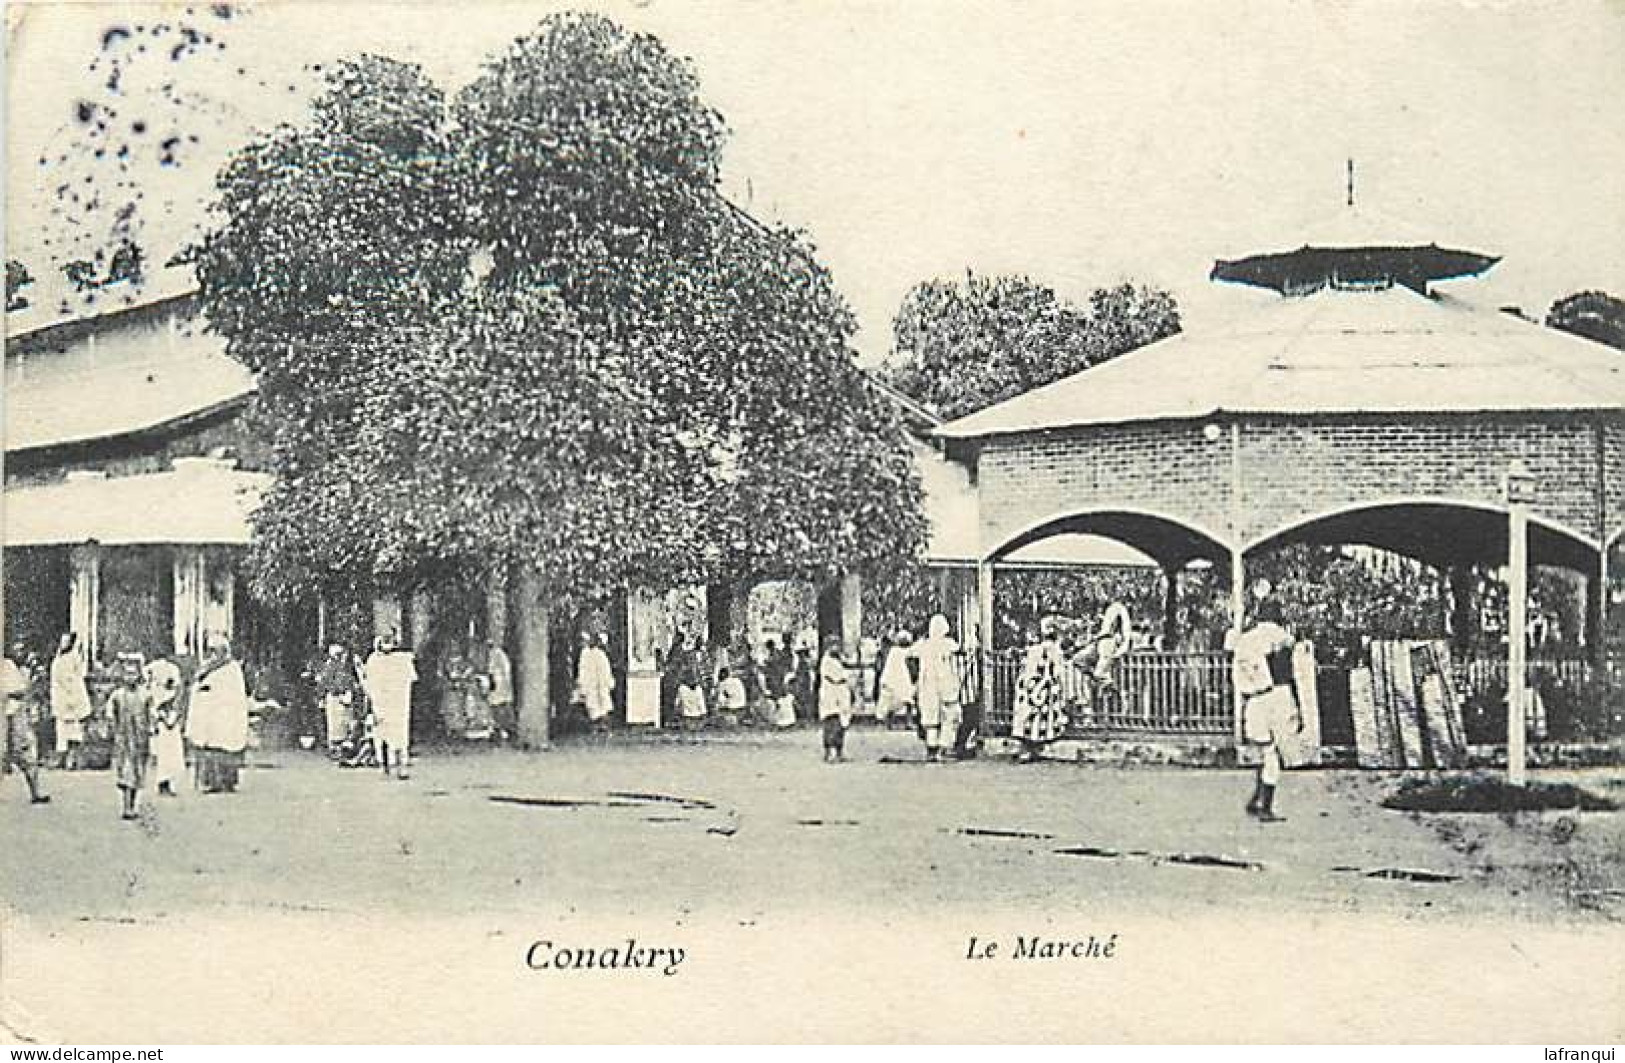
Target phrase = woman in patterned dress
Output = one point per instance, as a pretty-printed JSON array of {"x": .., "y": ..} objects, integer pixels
[{"x": 1040, "y": 715}]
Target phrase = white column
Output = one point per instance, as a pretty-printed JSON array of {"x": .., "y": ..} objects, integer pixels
[
  {"x": 188, "y": 625},
  {"x": 1517, "y": 638},
  {"x": 642, "y": 670},
  {"x": 984, "y": 606},
  {"x": 1238, "y": 622},
  {"x": 84, "y": 596}
]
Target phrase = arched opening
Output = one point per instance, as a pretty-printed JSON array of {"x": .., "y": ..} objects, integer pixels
[
  {"x": 1093, "y": 559},
  {"x": 1438, "y": 533},
  {"x": 1406, "y": 571},
  {"x": 1171, "y": 543}
]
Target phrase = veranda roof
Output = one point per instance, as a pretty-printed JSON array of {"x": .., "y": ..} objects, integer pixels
[
  {"x": 200, "y": 502},
  {"x": 54, "y": 407},
  {"x": 1333, "y": 352}
]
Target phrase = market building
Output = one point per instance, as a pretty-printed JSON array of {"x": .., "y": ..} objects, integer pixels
[
  {"x": 129, "y": 479},
  {"x": 1362, "y": 405}
]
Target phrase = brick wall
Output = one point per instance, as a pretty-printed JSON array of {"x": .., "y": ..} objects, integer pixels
[
  {"x": 1165, "y": 469},
  {"x": 1294, "y": 469}
]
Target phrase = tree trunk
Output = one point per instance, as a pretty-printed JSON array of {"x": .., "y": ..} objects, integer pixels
[
  {"x": 531, "y": 672},
  {"x": 719, "y": 602}
]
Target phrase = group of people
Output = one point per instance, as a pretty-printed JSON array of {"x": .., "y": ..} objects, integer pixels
[
  {"x": 920, "y": 681},
  {"x": 367, "y": 705},
  {"x": 155, "y": 709},
  {"x": 1261, "y": 670}
]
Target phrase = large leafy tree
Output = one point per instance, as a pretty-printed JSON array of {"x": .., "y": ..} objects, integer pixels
[
  {"x": 961, "y": 346},
  {"x": 1594, "y": 315},
  {"x": 525, "y": 327}
]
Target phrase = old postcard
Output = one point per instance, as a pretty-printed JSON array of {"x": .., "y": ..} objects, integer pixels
[{"x": 814, "y": 522}]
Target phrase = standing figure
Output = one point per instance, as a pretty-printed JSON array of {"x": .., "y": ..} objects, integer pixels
[
  {"x": 70, "y": 700},
  {"x": 937, "y": 689},
  {"x": 478, "y": 722},
  {"x": 805, "y": 685},
  {"x": 895, "y": 693},
  {"x": 163, "y": 680},
  {"x": 336, "y": 690},
  {"x": 456, "y": 675},
  {"x": 388, "y": 677},
  {"x": 131, "y": 712},
  {"x": 834, "y": 701},
  {"x": 781, "y": 667},
  {"x": 217, "y": 718},
  {"x": 691, "y": 697},
  {"x": 1040, "y": 715},
  {"x": 1113, "y": 638},
  {"x": 595, "y": 680},
  {"x": 732, "y": 701},
  {"x": 22, "y": 750},
  {"x": 499, "y": 673},
  {"x": 1262, "y": 671}
]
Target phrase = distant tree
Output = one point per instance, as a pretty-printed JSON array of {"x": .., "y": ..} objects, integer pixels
[
  {"x": 962, "y": 346},
  {"x": 17, "y": 278},
  {"x": 1594, "y": 315}
]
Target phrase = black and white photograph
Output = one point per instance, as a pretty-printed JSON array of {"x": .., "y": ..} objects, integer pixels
[{"x": 814, "y": 522}]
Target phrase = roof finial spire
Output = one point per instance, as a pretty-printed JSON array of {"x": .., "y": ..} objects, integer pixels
[{"x": 1351, "y": 182}]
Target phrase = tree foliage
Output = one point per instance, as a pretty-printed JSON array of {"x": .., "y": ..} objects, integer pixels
[
  {"x": 1594, "y": 315},
  {"x": 524, "y": 326},
  {"x": 962, "y": 346}
]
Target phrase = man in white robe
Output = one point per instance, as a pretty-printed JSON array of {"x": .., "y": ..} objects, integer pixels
[
  {"x": 388, "y": 677},
  {"x": 217, "y": 718},
  {"x": 163, "y": 678}
]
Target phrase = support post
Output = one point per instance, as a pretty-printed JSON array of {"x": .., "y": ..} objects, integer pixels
[
  {"x": 531, "y": 673},
  {"x": 1170, "y": 608},
  {"x": 85, "y": 597},
  {"x": 984, "y": 606},
  {"x": 1596, "y": 622},
  {"x": 1519, "y": 489},
  {"x": 1238, "y": 567},
  {"x": 1461, "y": 608},
  {"x": 643, "y": 637},
  {"x": 1238, "y": 622},
  {"x": 188, "y": 611}
]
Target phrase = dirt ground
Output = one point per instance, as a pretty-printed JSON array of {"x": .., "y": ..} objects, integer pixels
[{"x": 811, "y": 901}]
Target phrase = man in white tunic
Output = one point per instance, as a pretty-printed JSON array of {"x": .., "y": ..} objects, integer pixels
[
  {"x": 217, "y": 717},
  {"x": 70, "y": 699},
  {"x": 163, "y": 678},
  {"x": 389, "y": 675},
  {"x": 595, "y": 680},
  {"x": 1262, "y": 671}
]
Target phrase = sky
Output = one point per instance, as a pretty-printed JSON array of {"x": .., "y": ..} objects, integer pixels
[{"x": 1079, "y": 143}]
